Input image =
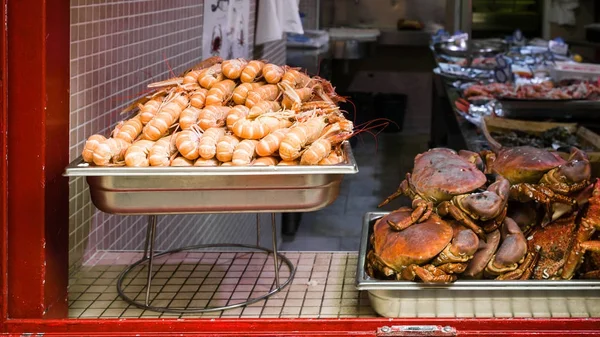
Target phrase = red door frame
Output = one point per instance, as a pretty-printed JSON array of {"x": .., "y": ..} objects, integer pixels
[{"x": 34, "y": 107}]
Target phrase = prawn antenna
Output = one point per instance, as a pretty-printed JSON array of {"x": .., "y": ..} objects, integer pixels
[
  {"x": 168, "y": 65},
  {"x": 378, "y": 124}
]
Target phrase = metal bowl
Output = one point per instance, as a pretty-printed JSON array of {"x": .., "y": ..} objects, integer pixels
[{"x": 470, "y": 48}]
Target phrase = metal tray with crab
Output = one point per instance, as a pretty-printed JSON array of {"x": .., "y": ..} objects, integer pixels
[{"x": 385, "y": 293}]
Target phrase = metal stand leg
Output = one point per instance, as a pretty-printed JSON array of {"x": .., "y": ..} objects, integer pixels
[
  {"x": 149, "y": 253},
  {"x": 275, "y": 260},
  {"x": 148, "y": 232},
  {"x": 149, "y": 256}
]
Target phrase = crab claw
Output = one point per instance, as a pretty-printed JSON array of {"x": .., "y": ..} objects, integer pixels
[
  {"x": 511, "y": 251},
  {"x": 570, "y": 177},
  {"x": 482, "y": 256},
  {"x": 525, "y": 270},
  {"x": 461, "y": 249},
  {"x": 472, "y": 157}
]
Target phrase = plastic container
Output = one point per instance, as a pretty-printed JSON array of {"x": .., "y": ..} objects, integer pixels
[
  {"x": 575, "y": 71},
  {"x": 311, "y": 39}
]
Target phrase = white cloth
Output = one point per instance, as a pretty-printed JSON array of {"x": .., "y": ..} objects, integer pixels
[
  {"x": 562, "y": 12},
  {"x": 276, "y": 17}
]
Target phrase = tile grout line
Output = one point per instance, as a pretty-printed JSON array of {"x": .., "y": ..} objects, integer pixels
[{"x": 186, "y": 281}]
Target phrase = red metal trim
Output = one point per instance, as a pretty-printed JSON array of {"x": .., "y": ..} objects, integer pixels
[
  {"x": 305, "y": 327},
  {"x": 37, "y": 213},
  {"x": 3, "y": 163},
  {"x": 38, "y": 146}
]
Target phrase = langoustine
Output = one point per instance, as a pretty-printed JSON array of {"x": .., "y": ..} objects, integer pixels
[
  {"x": 321, "y": 148},
  {"x": 244, "y": 152},
  {"x": 233, "y": 68},
  {"x": 207, "y": 147},
  {"x": 252, "y": 70},
  {"x": 90, "y": 145},
  {"x": 188, "y": 142},
  {"x": 137, "y": 153},
  {"x": 226, "y": 146},
  {"x": 162, "y": 151},
  {"x": 166, "y": 117},
  {"x": 300, "y": 136},
  {"x": 110, "y": 152},
  {"x": 220, "y": 92}
]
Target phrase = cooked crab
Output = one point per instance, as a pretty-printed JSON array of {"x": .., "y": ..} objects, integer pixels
[
  {"x": 540, "y": 175},
  {"x": 565, "y": 241},
  {"x": 432, "y": 250},
  {"x": 512, "y": 260},
  {"x": 504, "y": 256},
  {"x": 452, "y": 182}
]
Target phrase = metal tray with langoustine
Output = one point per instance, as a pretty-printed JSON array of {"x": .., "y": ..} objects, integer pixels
[
  {"x": 389, "y": 289},
  {"x": 182, "y": 190}
]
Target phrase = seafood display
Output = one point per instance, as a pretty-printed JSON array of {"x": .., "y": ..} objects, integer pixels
[
  {"x": 233, "y": 112},
  {"x": 558, "y": 138},
  {"x": 547, "y": 90},
  {"x": 512, "y": 213}
]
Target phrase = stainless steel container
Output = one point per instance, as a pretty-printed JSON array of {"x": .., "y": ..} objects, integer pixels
[
  {"x": 180, "y": 190},
  {"x": 389, "y": 298},
  {"x": 349, "y": 49}
]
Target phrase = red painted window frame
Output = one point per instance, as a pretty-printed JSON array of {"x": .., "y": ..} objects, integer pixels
[{"x": 34, "y": 144}]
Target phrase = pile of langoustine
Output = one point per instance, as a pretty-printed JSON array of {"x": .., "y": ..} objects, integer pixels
[
  {"x": 540, "y": 91},
  {"x": 229, "y": 113}
]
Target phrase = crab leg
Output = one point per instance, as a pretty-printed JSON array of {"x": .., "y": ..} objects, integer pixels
[
  {"x": 489, "y": 158},
  {"x": 447, "y": 207},
  {"x": 589, "y": 224},
  {"x": 427, "y": 273},
  {"x": 403, "y": 189},
  {"x": 421, "y": 212},
  {"x": 525, "y": 192},
  {"x": 453, "y": 268},
  {"x": 374, "y": 263}
]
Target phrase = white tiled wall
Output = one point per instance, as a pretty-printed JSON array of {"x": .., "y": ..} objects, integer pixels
[{"x": 117, "y": 48}]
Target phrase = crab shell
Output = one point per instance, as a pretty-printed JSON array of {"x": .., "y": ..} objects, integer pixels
[
  {"x": 555, "y": 240},
  {"x": 440, "y": 173},
  {"x": 417, "y": 244},
  {"x": 525, "y": 164}
]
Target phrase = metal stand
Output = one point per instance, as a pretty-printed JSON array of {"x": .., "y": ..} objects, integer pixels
[{"x": 149, "y": 256}]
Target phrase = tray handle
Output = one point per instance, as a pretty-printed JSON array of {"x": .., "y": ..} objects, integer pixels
[{"x": 415, "y": 330}]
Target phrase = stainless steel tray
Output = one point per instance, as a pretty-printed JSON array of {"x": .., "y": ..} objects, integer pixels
[
  {"x": 479, "y": 298},
  {"x": 567, "y": 110},
  {"x": 180, "y": 190},
  {"x": 364, "y": 282}
]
